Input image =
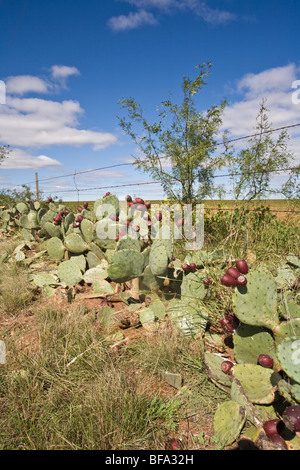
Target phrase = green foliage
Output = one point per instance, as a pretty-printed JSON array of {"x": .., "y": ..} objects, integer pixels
[{"x": 183, "y": 135}]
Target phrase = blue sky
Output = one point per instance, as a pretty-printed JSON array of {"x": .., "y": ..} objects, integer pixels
[{"x": 67, "y": 63}]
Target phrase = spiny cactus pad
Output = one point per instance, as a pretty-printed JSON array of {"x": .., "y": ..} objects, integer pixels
[
  {"x": 256, "y": 303},
  {"x": 69, "y": 273},
  {"x": 158, "y": 258},
  {"x": 96, "y": 274},
  {"x": 228, "y": 422},
  {"x": 149, "y": 282},
  {"x": 251, "y": 341},
  {"x": 128, "y": 244},
  {"x": 75, "y": 244},
  {"x": 53, "y": 230},
  {"x": 287, "y": 329},
  {"x": 258, "y": 383},
  {"x": 44, "y": 279},
  {"x": 92, "y": 260},
  {"x": 80, "y": 260},
  {"x": 213, "y": 363},
  {"x": 55, "y": 248},
  {"x": 87, "y": 230},
  {"x": 192, "y": 286},
  {"x": 125, "y": 265},
  {"x": 288, "y": 353},
  {"x": 188, "y": 315}
]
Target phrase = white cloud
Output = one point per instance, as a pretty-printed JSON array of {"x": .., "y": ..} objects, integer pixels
[
  {"x": 131, "y": 21},
  {"x": 274, "y": 85},
  {"x": 22, "y": 160},
  {"x": 22, "y": 84},
  {"x": 145, "y": 16},
  {"x": 63, "y": 71},
  {"x": 34, "y": 122},
  {"x": 271, "y": 80}
]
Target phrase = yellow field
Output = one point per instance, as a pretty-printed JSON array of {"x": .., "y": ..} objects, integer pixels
[{"x": 284, "y": 209}]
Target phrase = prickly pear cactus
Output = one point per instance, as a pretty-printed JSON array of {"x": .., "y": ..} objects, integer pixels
[
  {"x": 69, "y": 273},
  {"x": 125, "y": 265},
  {"x": 55, "y": 248},
  {"x": 256, "y": 303},
  {"x": 258, "y": 382},
  {"x": 228, "y": 422},
  {"x": 158, "y": 258},
  {"x": 87, "y": 230},
  {"x": 192, "y": 286},
  {"x": 251, "y": 341},
  {"x": 288, "y": 353},
  {"x": 75, "y": 243}
]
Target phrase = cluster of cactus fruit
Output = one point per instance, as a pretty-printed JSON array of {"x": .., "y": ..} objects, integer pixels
[{"x": 263, "y": 379}]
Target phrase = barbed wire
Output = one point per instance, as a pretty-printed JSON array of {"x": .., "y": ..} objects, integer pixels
[
  {"x": 117, "y": 165},
  {"x": 172, "y": 179}
]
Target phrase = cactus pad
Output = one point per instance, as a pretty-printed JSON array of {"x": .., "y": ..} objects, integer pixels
[
  {"x": 228, "y": 422},
  {"x": 55, "y": 248},
  {"x": 75, "y": 244},
  {"x": 192, "y": 286},
  {"x": 258, "y": 383},
  {"x": 251, "y": 341},
  {"x": 158, "y": 258},
  {"x": 256, "y": 303},
  {"x": 125, "y": 265},
  {"x": 288, "y": 353},
  {"x": 69, "y": 273}
]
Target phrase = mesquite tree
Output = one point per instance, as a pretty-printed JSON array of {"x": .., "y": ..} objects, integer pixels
[{"x": 178, "y": 149}]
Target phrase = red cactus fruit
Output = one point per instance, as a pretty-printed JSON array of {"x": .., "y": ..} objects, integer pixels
[
  {"x": 291, "y": 418},
  {"x": 228, "y": 280},
  {"x": 226, "y": 366},
  {"x": 139, "y": 200},
  {"x": 233, "y": 272},
  {"x": 241, "y": 281},
  {"x": 193, "y": 267},
  {"x": 278, "y": 441},
  {"x": 173, "y": 444},
  {"x": 227, "y": 324},
  {"x": 185, "y": 267},
  {"x": 242, "y": 266},
  {"x": 265, "y": 361},
  {"x": 273, "y": 427}
]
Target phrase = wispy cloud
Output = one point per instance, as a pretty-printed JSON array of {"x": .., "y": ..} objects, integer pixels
[
  {"x": 131, "y": 21},
  {"x": 22, "y": 84},
  {"x": 149, "y": 9},
  {"x": 23, "y": 160}
]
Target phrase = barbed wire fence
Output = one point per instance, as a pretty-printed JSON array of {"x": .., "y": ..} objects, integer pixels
[{"x": 86, "y": 190}]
